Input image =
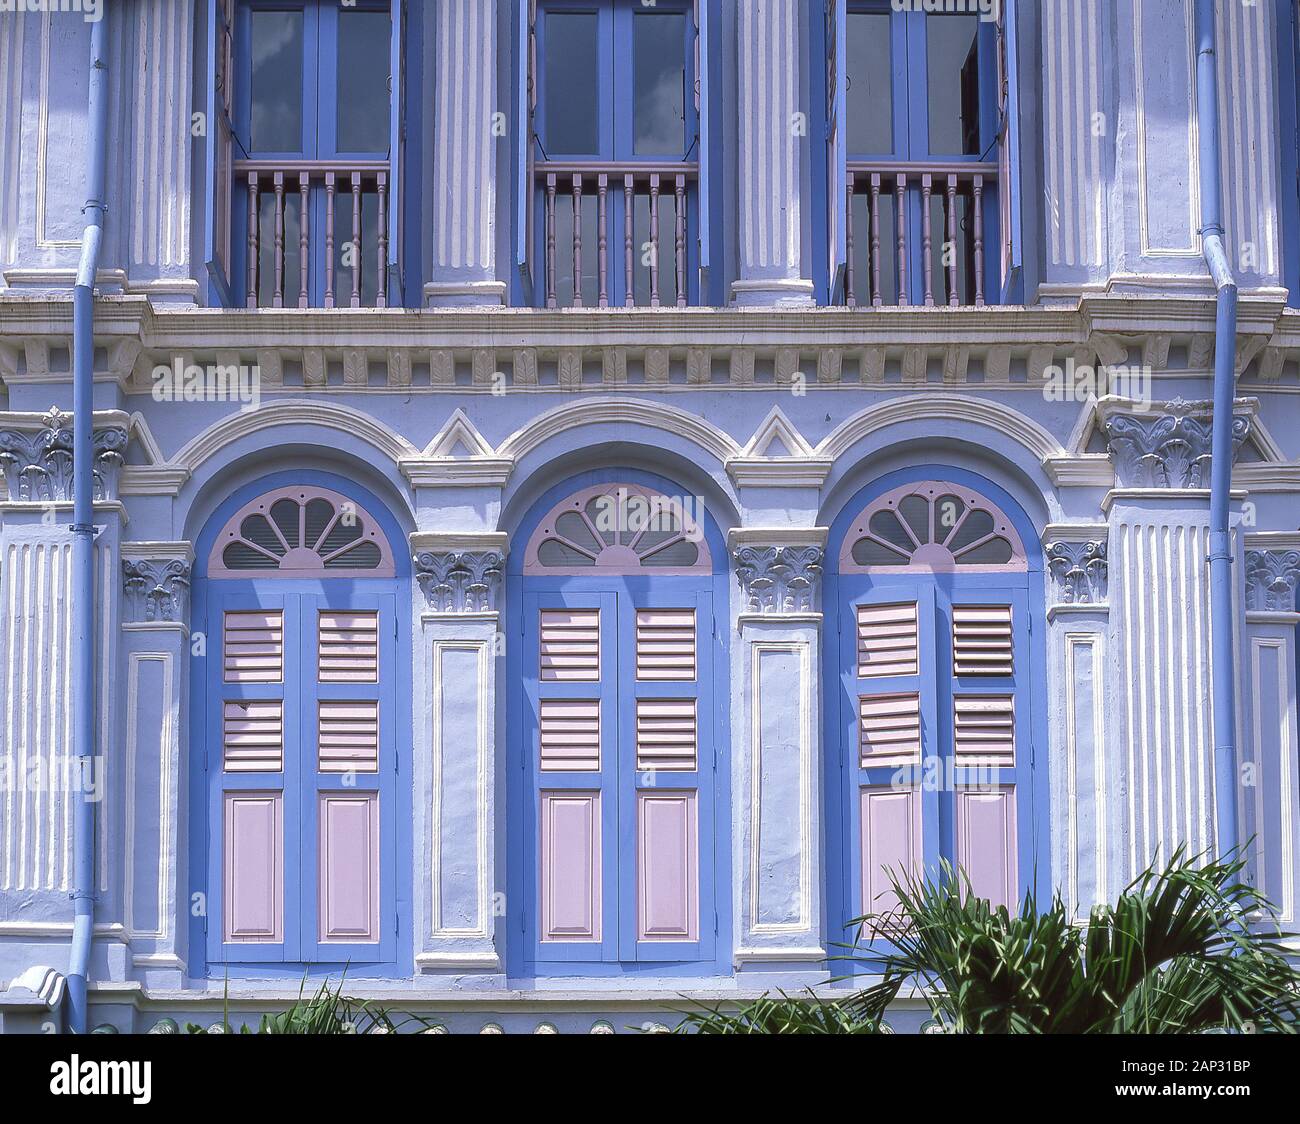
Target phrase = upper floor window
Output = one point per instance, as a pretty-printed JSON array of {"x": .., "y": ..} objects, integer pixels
[
  {"x": 303, "y": 207},
  {"x": 914, "y": 107},
  {"x": 614, "y": 152}
]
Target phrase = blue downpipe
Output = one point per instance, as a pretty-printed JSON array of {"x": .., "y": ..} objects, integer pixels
[
  {"x": 1222, "y": 622},
  {"x": 83, "y": 530}
]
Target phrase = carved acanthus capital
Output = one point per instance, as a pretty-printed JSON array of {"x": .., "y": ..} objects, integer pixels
[
  {"x": 157, "y": 589},
  {"x": 460, "y": 581},
  {"x": 1272, "y": 577},
  {"x": 1079, "y": 571},
  {"x": 780, "y": 579},
  {"x": 36, "y": 455},
  {"x": 1167, "y": 446}
]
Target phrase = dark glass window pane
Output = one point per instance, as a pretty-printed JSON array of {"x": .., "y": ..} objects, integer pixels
[
  {"x": 952, "y": 59},
  {"x": 869, "y": 72},
  {"x": 659, "y": 84},
  {"x": 363, "y": 81},
  {"x": 572, "y": 88},
  {"x": 276, "y": 87}
]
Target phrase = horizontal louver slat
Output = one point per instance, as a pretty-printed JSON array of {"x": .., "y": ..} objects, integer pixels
[
  {"x": 887, "y": 640},
  {"x": 252, "y": 736},
  {"x": 665, "y": 734},
  {"x": 665, "y": 644},
  {"x": 889, "y": 730},
  {"x": 570, "y": 735},
  {"x": 981, "y": 640},
  {"x": 985, "y": 730},
  {"x": 348, "y": 736},
  {"x": 348, "y": 647},
  {"x": 253, "y": 646},
  {"x": 570, "y": 646}
]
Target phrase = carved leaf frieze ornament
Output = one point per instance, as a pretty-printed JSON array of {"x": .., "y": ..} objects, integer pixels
[
  {"x": 37, "y": 463},
  {"x": 467, "y": 581},
  {"x": 780, "y": 579},
  {"x": 157, "y": 589},
  {"x": 1079, "y": 570},
  {"x": 1170, "y": 449},
  {"x": 1272, "y": 577}
]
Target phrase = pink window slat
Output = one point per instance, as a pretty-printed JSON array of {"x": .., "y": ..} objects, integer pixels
[
  {"x": 348, "y": 647},
  {"x": 887, "y": 640},
  {"x": 981, "y": 640},
  {"x": 665, "y": 644},
  {"x": 348, "y": 736},
  {"x": 570, "y": 645},
  {"x": 252, "y": 735},
  {"x": 984, "y": 730},
  {"x": 570, "y": 735},
  {"x": 253, "y": 646},
  {"x": 889, "y": 730},
  {"x": 665, "y": 734}
]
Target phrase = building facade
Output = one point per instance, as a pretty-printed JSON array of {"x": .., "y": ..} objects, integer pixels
[{"x": 585, "y": 487}]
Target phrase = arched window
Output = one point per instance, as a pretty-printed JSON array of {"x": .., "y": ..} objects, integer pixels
[
  {"x": 932, "y": 526},
  {"x": 619, "y": 529},
  {"x": 618, "y": 732},
  {"x": 933, "y": 681},
  {"x": 301, "y": 533},
  {"x": 298, "y": 723}
]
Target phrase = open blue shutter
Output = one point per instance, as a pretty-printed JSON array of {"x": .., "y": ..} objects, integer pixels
[
  {"x": 702, "y": 57},
  {"x": 397, "y": 145},
  {"x": 836, "y": 154},
  {"x": 1009, "y": 156},
  {"x": 525, "y": 17},
  {"x": 218, "y": 133}
]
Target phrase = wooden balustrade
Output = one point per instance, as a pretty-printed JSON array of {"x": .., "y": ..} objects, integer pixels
[
  {"x": 916, "y": 184},
  {"x": 633, "y": 182},
  {"x": 313, "y": 181}
]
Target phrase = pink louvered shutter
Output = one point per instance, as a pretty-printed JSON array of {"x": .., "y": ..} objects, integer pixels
[
  {"x": 251, "y": 727},
  {"x": 989, "y": 737},
  {"x": 888, "y": 645}
]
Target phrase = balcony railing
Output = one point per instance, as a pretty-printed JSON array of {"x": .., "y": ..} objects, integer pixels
[
  {"x": 945, "y": 205},
  {"x": 637, "y": 212},
  {"x": 285, "y": 204}
]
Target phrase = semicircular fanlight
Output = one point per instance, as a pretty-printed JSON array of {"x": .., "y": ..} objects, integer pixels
[
  {"x": 619, "y": 528},
  {"x": 932, "y": 526},
  {"x": 300, "y": 533}
]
